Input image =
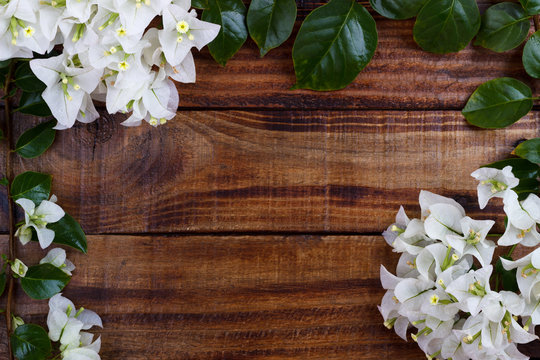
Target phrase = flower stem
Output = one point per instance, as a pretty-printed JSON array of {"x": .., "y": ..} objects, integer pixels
[
  {"x": 11, "y": 217},
  {"x": 511, "y": 250}
]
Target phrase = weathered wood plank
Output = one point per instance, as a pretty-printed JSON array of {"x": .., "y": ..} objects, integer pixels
[
  {"x": 319, "y": 171},
  {"x": 199, "y": 297},
  {"x": 400, "y": 76}
]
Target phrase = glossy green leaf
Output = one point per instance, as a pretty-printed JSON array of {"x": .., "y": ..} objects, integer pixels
[
  {"x": 445, "y": 26},
  {"x": 525, "y": 171},
  {"x": 498, "y": 103},
  {"x": 509, "y": 279},
  {"x": 35, "y": 141},
  {"x": 199, "y": 4},
  {"x": 30, "y": 342},
  {"x": 531, "y": 56},
  {"x": 26, "y": 80},
  {"x": 44, "y": 281},
  {"x": 5, "y": 63},
  {"x": 397, "y": 9},
  {"x": 3, "y": 281},
  {"x": 270, "y": 22},
  {"x": 504, "y": 27},
  {"x": 335, "y": 42},
  {"x": 4, "y": 181},
  {"x": 231, "y": 16},
  {"x": 32, "y": 185},
  {"x": 532, "y": 7},
  {"x": 68, "y": 232},
  {"x": 529, "y": 150},
  {"x": 33, "y": 104}
]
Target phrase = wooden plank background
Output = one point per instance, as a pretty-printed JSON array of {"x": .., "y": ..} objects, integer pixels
[{"x": 248, "y": 226}]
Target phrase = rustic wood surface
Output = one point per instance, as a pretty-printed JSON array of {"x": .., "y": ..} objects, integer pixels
[{"x": 247, "y": 227}]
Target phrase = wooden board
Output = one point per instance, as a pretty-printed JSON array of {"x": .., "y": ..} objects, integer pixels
[
  {"x": 233, "y": 297},
  {"x": 280, "y": 171}
]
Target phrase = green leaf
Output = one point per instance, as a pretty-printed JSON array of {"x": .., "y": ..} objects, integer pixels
[
  {"x": 5, "y": 63},
  {"x": 44, "y": 281},
  {"x": 4, "y": 181},
  {"x": 529, "y": 150},
  {"x": 67, "y": 231},
  {"x": 531, "y": 6},
  {"x": 509, "y": 280},
  {"x": 33, "y": 104},
  {"x": 335, "y": 42},
  {"x": 525, "y": 171},
  {"x": 231, "y": 16},
  {"x": 445, "y": 26},
  {"x": 3, "y": 281},
  {"x": 199, "y": 4},
  {"x": 504, "y": 27},
  {"x": 498, "y": 103},
  {"x": 26, "y": 80},
  {"x": 31, "y": 185},
  {"x": 397, "y": 9},
  {"x": 270, "y": 22},
  {"x": 30, "y": 342},
  {"x": 531, "y": 56},
  {"x": 35, "y": 141}
]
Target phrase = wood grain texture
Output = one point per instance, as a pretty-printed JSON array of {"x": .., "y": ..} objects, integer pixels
[
  {"x": 400, "y": 76},
  {"x": 320, "y": 171},
  {"x": 232, "y": 297}
]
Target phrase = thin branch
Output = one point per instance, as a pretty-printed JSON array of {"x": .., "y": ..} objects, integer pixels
[{"x": 9, "y": 176}]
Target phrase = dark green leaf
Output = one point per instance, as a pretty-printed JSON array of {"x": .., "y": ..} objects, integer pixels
[
  {"x": 44, "y": 281},
  {"x": 33, "y": 104},
  {"x": 531, "y": 6},
  {"x": 335, "y": 42},
  {"x": 35, "y": 141},
  {"x": 397, "y": 9},
  {"x": 525, "y": 171},
  {"x": 231, "y": 15},
  {"x": 509, "y": 280},
  {"x": 26, "y": 80},
  {"x": 31, "y": 185},
  {"x": 504, "y": 27},
  {"x": 30, "y": 342},
  {"x": 529, "y": 150},
  {"x": 3, "y": 280},
  {"x": 531, "y": 56},
  {"x": 5, "y": 63},
  {"x": 445, "y": 26},
  {"x": 4, "y": 181},
  {"x": 270, "y": 22},
  {"x": 67, "y": 231},
  {"x": 199, "y": 4},
  {"x": 498, "y": 103}
]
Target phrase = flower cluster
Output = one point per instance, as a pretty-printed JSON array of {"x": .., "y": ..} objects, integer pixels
[
  {"x": 442, "y": 284},
  {"x": 122, "y": 52}
]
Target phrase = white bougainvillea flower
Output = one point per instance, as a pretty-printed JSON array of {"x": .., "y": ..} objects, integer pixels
[
  {"x": 473, "y": 241},
  {"x": 19, "y": 268},
  {"x": 437, "y": 258},
  {"x": 57, "y": 257},
  {"x": 413, "y": 240},
  {"x": 47, "y": 212},
  {"x": 397, "y": 228},
  {"x": 470, "y": 288},
  {"x": 65, "y": 322},
  {"x": 79, "y": 10},
  {"x": 182, "y": 31},
  {"x": 522, "y": 219},
  {"x": 50, "y": 17},
  {"x": 68, "y": 81},
  {"x": 452, "y": 349},
  {"x": 136, "y": 15},
  {"x": 406, "y": 267},
  {"x": 493, "y": 183},
  {"x": 78, "y": 37},
  {"x": 389, "y": 310}
]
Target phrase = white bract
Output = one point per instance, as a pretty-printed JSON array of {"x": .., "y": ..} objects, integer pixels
[
  {"x": 57, "y": 258},
  {"x": 113, "y": 51},
  {"x": 65, "y": 325},
  {"x": 442, "y": 296},
  {"x": 19, "y": 268},
  {"x": 37, "y": 218}
]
